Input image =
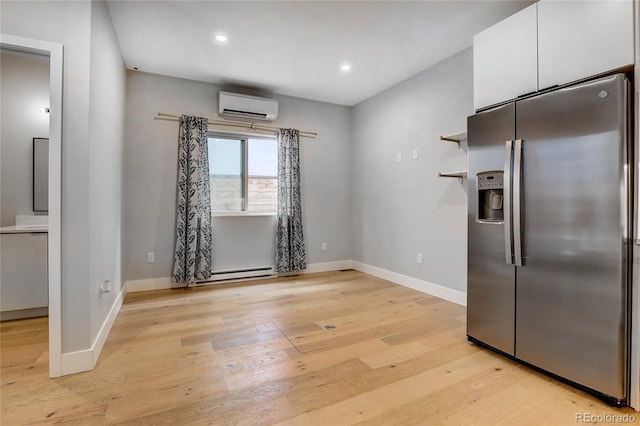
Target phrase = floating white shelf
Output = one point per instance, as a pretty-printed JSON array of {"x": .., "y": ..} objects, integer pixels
[{"x": 457, "y": 138}]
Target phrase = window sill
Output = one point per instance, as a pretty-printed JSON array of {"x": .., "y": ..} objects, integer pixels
[{"x": 243, "y": 214}]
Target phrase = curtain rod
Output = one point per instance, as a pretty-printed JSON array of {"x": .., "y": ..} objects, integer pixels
[{"x": 249, "y": 126}]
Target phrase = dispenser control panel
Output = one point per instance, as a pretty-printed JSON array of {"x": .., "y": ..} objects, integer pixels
[
  {"x": 490, "y": 181},
  {"x": 490, "y": 192}
]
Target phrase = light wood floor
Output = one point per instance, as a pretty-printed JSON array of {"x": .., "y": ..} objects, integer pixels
[{"x": 259, "y": 353}]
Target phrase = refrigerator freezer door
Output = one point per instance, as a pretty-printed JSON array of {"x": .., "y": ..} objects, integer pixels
[
  {"x": 490, "y": 282},
  {"x": 572, "y": 292}
]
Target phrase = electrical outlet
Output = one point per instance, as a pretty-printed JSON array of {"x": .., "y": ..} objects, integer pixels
[
  {"x": 324, "y": 246},
  {"x": 151, "y": 257},
  {"x": 105, "y": 287},
  {"x": 419, "y": 259},
  {"x": 414, "y": 154},
  {"x": 398, "y": 157}
]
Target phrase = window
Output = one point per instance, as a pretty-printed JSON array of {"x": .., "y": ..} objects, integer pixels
[{"x": 243, "y": 173}]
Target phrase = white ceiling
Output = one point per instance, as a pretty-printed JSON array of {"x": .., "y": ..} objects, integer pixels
[{"x": 295, "y": 48}]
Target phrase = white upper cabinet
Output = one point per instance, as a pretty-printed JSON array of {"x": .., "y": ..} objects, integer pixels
[
  {"x": 505, "y": 59},
  {"x": 552, "y": 42},
  {"x": 578, "y": 39}
]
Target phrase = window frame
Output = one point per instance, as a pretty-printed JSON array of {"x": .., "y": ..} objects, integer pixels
[{"x": 244, "y": 142}]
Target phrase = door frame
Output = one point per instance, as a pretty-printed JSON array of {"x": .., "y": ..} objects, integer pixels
[
  {"x": 634, "y": 397},
  {"x": 55, "y": 53}
]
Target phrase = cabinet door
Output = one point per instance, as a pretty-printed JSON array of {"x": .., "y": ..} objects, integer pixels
[
  {"x": 579, "y": 39},
  {"x": 23, "y": 280},
  {"x": 505, "y": 59}
]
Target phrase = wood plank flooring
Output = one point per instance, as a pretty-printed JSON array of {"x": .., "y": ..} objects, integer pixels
[{"x": 260, "y": 353}]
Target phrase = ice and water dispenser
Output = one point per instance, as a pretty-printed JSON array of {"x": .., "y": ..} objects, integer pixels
[{"x": 490, "y": 191}]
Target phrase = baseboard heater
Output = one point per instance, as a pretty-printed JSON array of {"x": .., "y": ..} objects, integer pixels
[{"x": 239, "y": 274}]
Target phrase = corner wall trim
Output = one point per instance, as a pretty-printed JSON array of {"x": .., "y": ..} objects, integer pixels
[
  {"x": 77, "y": 362},
  {"x": 427, "y": 287},
  {"x": 86, "y": 360}
]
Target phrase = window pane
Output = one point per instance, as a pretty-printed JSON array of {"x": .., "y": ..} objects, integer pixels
[
  {"x": 263, "y": 171},
  {"x": 225, "y": 168}
]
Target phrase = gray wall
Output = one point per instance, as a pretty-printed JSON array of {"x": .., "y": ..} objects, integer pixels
[
  {"x": 24, "y": 83},
  {"x": 150, "y": 179},
  {"x": 401, "y": 209},
  {"x": 106, "y": 144},
  {"x": 79, "y": 26}
]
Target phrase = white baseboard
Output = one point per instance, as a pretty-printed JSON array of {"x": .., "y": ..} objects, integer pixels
[
  {"x": 427, "y": 287},
  {"x": 436, "y": 290},
  {"x": 166, "y": 283},
  {"x": 101, "y": 338},
  {"x": 79, "y": 361},
  {"x": 149, "y": 284}
]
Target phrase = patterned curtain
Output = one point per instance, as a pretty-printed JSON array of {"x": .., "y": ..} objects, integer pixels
[
  {"x": 290, "y": 249},
  {"x": 194, "y": 240}
]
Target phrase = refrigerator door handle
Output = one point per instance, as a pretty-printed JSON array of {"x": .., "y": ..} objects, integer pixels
[
  {"x": 517, "y": 198},
  {"x": 625, "y": 204},
  {"x": 506, "y": 199}
]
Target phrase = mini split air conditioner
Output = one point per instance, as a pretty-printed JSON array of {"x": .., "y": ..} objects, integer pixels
[{"x": 246, "y": 106}]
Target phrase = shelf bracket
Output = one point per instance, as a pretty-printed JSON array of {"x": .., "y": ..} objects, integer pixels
[
  {"x": 445, "y": 138},
  {"x": 457, "y": 175},
  {"x": 456, "y": 138}
]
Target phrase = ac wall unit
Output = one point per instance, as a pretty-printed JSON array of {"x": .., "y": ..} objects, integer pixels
[
  {"x": 247, "y": 106},
  {"x": 240, "y": 274}
]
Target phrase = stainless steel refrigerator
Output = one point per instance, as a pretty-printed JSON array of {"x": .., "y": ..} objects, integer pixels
[{"x": 549, "y": 251}]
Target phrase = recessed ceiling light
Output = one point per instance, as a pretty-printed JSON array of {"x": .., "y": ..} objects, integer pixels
[
  {"x": 222, "y": 38},
  {"x": 345, "y": 67}
]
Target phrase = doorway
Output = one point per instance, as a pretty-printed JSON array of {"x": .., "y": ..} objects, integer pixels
[{"x": 54, "y": 52}]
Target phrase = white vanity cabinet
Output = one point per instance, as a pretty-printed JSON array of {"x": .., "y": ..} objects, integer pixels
[
  {"x": 551, "y": 43},
  {"x": 23, "y": 274},
  {"x": 578, "y": 39},
  {"x": 505, "y": 59}
]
